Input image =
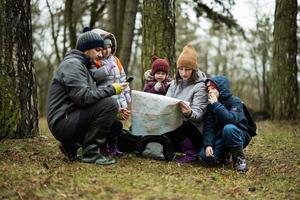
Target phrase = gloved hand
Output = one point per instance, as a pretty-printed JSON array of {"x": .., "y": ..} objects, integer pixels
[
  {"x": 119, "y": 87},
  {"x": 157, "y": 86}
]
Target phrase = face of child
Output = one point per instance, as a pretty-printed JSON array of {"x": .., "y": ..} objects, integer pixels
[
  {"x": 95, "y": 53},
  {"x": 212, "y": 90},
  {"x": 185, "y": 72},
  {"x": 160, "y": 76},
  {"x": 107, "y": 51}
]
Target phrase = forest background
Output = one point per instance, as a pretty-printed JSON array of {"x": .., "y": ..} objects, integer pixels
[
  {"x": 259, "y": 56},
  {"x": 243, "y": 52}
]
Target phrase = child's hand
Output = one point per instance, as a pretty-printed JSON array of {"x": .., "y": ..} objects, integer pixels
[
  {"x": 212, "y": 98},
  {"x": 157, "y": 86},
  {"x": 209, "y": 152},
  {"x": 185, "y": 109}
]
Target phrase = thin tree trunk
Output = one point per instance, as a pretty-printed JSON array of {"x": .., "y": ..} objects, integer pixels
[
  {"x": 120, "y": 18},
  {"x": 53, "y": 33},
  {"x": 112, "y": 17},
  {"x": 128, "y": 31},
  {"x": 18, "y": 93},
  {"x": 285, "y": 91},
  {"x": 72, "y": 22},
  {"x": 265, "y": 86},
  {"x": 205, "y": 68}
]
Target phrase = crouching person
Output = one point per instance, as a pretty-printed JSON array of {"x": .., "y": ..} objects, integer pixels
[
  {"x": 80, "y": 114},
  {"x": 225, "y": 125}
]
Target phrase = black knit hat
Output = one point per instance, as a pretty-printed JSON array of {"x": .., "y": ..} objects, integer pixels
[{"x": 89, "y": 40}]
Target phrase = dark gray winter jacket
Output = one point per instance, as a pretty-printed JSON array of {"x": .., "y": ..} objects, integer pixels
[{"x": 72, "y": 87}]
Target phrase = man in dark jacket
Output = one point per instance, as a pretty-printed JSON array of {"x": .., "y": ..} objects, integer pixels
[
  {"x": 79, "y": 112},
  {"x": 225, "y": 125}
]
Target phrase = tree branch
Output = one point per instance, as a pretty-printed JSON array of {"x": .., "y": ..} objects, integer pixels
[
  {"x": 218, "y": 18},
  {"x": 54, "y": 35}
]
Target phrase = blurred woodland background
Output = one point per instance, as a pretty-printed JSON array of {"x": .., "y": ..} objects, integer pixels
[{"x": 260, "y": 61}]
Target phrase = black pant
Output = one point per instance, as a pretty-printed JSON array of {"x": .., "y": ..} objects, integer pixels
[
  {"x": 115, "y": 132},
  {"x": 72, "y": 128},
  {"x": 186, "y": 130}
]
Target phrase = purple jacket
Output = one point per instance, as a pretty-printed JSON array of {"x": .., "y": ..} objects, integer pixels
[{"x": 149, "y": 87}]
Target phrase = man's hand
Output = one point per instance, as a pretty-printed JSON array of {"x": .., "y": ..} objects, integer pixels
[
  {"x": 185, "y": 109},
  {"x": 124, "y": 86},
  {"x": 124, "y": 113},
  {"x": 209, "y": 151}
]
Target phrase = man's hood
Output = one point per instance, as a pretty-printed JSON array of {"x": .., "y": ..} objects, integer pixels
[{"x": 105, "y": 34}]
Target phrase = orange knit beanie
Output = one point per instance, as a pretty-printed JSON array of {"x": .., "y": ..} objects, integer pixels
[{"x": 188, "y": 57}]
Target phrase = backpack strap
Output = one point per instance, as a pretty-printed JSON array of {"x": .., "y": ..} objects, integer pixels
[
  {"x": 119, "y": 64},
  {"x": 251, "y": 125}
]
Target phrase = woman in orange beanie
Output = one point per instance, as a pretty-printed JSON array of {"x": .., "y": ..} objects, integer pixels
[{"x": 189, "y": 85}]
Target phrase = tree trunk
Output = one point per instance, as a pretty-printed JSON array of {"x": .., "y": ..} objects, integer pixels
[
  {"x": 284, "y": 86},
  {"x": 127, "y": 34},
  {"x": 72, "y": 22},
  {"x": 18, "y": 93},
  {"x": 54, "y": 33},
  {"x": 116, "y": 13},
  {"x": 158, "y": 23},
  {"x": 265, "y": 86},
  {"x": 97, "y": 8},
  {"x": 122, "y": 13},
  {"x": 112, "y": 17}
]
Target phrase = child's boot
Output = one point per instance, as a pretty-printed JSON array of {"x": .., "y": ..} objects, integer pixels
[
  {"x": 239, "y": 161},
  {"x": 113, "y": 150},
  {"x": 189, "y": 150}
]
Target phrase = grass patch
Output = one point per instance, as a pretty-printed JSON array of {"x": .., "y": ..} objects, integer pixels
[{"x": 34, "y": 169}]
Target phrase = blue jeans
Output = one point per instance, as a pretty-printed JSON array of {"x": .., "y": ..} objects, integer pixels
[{"x": 233, "y": 140}]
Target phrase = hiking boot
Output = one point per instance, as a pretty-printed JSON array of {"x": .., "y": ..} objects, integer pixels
[
  {"x": 69, "y": 151},
  {"x": 240, "y": 163},
  {"x": 228, "y": 160},
  {"x": 92, "y": 154}
]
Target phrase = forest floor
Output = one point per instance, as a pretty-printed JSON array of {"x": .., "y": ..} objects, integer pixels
[{"x": 34, "y": 169}]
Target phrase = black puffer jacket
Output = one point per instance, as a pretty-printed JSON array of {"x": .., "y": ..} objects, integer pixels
[{"x": 73, "y": 87}]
